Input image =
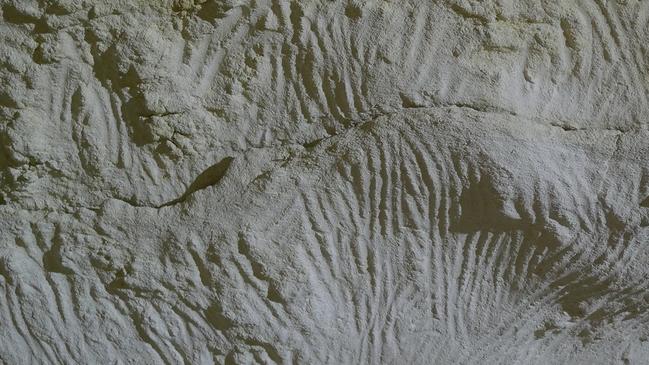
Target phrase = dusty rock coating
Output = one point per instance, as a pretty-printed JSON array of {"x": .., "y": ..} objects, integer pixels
[{"x": 324, "y": 182}]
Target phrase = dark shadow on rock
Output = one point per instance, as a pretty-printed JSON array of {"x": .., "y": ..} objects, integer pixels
[{"x": 211, "y": 176}]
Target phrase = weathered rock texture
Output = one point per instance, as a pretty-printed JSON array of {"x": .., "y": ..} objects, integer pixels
[{"x": 324, "y": 182}]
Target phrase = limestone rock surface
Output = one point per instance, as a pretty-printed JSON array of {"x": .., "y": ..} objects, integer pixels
[{"x": 324, "y": 182}]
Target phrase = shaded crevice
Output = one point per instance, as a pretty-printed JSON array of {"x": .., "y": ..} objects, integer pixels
[
  {"x": 159, "y": 114},
  {"x": 209, "y": 177},
  {"x": 477, "y": 108},
  {"x": 415, "y": 102},
  {"x": 313, "y": 143},
  {"x": 571, "y": 128},
  {"x": 466, "y": 14}
]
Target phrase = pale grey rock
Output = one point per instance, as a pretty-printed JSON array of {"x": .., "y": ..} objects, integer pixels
[{"x": 324, "y": 182}]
